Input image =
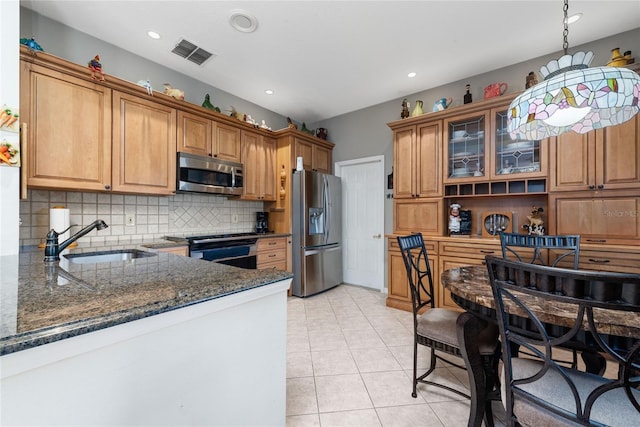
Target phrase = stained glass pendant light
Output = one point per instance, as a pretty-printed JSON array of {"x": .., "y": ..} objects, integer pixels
[{"x": 574, "y": 97}]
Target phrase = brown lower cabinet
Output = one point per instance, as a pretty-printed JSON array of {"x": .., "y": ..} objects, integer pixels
[
  {"x": 447, "y": 252},
  {"x": 272, "y": 252}
]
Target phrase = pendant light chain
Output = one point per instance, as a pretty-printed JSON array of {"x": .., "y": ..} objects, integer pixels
[{"x": 565, "y": 33}]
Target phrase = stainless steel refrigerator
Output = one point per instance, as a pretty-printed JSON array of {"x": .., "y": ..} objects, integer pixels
[{"x": 317, "y": 233}]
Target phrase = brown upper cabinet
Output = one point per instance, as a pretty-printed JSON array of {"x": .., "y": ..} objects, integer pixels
[
  {"x": 144, "y": 146},
  {"x": 604, "y": 159},
  {"x": 417, "y": 161},
  {"x": 69, "y": 137},
  {"x": 314, "y": 157},
  {"x": 85, "y": 136},
  {"x": 259, "y": 159},
  {"x": 205, "y": 137}
]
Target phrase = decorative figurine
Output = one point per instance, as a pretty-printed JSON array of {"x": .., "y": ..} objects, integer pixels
[
  {"x": 405, "y": 109},
  {"x": 536, "y": 224},
  {"x": 321, "y": 133},
  {"x": 96, "y": 67},
  {"x": 307, "y": 130},
  {"x": 264, "y": 125},
  {"x": 290, "y": 124},
  {"x": 32, "y": 44},
  {"x": 531, "y": 80},
  {"x": 175, "y": 93},
  {"x": 454, "y": 218},
  {"x": 207, "y": 104},
  {"x": 147, "y": 85},
  {"x": 467, "y": 96},
  {"x": 417, "y": 110}
]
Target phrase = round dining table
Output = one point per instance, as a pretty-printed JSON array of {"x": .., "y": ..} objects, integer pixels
[{"x": 471, "y": 290}]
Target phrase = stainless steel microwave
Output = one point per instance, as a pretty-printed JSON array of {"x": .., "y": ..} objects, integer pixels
[{"x": 200, "y": 174}]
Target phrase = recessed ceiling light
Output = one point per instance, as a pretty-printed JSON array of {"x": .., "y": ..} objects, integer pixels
[
  {"x": 574, "y": 18},
  {"x": 412, "y": 74},
  {"x": 268, "y": 92},
  {"x": 153, "y": 35},
  {"x": 243, "y": 21}
]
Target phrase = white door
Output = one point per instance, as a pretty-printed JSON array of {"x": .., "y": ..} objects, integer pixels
[{"x": 363, "y": 186}]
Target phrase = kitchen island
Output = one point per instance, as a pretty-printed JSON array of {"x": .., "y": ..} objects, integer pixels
[{"x": 160, "y": 340}]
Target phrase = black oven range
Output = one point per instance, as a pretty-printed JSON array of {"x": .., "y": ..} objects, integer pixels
[{"x": 237, "y": 249}]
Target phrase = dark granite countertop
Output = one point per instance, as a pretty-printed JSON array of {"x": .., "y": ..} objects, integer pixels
[{"x": 45, "y": 303}]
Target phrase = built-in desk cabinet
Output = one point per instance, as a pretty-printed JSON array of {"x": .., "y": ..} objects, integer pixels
[{"x": 587, "y": 184}]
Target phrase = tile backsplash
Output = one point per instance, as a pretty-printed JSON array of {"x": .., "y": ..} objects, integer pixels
[{"x": 154, "y": 216}]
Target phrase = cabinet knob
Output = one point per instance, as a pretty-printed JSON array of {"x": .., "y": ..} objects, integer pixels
[
  {"x": 599, "y": 261},
  {"x": 592, "y": 187},
  {"x": 107, "y": 187},
  {"x": 601, "y": 186}
]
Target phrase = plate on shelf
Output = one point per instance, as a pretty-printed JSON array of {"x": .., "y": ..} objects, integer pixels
[
  {"x": 520, "y": 145},
  {"x": 464, "y": 154},
  {"x": 460, "y": 173},
  {"x": 461, "y": 139}
]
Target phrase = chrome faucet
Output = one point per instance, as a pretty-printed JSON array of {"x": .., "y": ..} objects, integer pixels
[{"x": 53, "y": 248}]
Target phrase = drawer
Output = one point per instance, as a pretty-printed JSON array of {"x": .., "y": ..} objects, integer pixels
[
  {"x": 430, "y": 245},
  {"x": 604, "y": 260},
  {"x": 280, "y": 265},
  {"x": 273, "y": 244},
  {"x": 271, "y": 257},
  {"x": 470, "y": 250}
]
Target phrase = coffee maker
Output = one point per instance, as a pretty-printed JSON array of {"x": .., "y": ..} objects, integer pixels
[{"x": 262, "y": 222}]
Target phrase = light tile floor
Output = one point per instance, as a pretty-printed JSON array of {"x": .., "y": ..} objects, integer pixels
[{"x": 349, "y": 363}]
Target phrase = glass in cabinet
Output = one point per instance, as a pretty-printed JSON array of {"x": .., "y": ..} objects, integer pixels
[
  {"x": 514, "y": 156},
  {"x": 466, "y": 148}
]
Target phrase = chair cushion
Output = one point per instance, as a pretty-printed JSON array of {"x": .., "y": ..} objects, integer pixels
[
  {"x": 439, "y": 324},
  {"x": 612, "y": 408}
]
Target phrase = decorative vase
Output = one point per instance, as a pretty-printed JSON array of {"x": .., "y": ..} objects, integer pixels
[{"x": 417, "y": 110}]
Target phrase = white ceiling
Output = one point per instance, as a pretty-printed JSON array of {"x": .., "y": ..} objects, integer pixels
[{"x": 327, "y": 58}]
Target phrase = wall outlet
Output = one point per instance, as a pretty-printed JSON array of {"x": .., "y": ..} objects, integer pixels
[
  {"x": 234, "y": 218},
  {"x": 130, "y": 220}
]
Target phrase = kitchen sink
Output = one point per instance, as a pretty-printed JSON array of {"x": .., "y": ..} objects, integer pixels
[{"x": 107, "y": 256}]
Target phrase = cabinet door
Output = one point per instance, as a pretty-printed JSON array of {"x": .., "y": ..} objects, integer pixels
[
  {"x": 226, "y": 142},
  {"x": 403, "y": 163},
  {"x": 304, "y": 149},
  {"x": 514, "y": 159},
  {"x": 572, "y": 161},
  {"x": 399, "y": 295},
  {"x": 194, "y": 134},
  {"x": 618, "y": 154},
  {"x": 321, "y": 159},
  {"x": 428, "y": 160},
  {"x": 251, "y": 152},
  {"x": 69, "y": 135},
  {"x": 259, "y": 159},
  {"x": 418, "y": 215},
  {"x": 144, "y": 146},
  {"x": 446, "y": 263},
  {"x": 599, "y": 220},
  {"x": 269, "y": 169},
  {"x": 465, "y": 149}
]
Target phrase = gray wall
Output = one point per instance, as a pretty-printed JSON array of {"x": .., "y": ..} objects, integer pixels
[{"x": 364, "y": 132}]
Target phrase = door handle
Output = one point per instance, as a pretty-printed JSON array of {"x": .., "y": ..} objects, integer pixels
[{"x": 377, "y": 236}]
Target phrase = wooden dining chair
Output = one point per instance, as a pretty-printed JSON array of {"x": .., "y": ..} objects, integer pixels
[
  {"x": 537, "y": 390},
  {"x": 434, "y": 327}
]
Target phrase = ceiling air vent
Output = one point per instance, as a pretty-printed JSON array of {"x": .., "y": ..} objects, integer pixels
[{"x": 190, "y": 51}]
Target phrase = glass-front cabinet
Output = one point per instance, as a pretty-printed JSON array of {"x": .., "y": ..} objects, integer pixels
[
  {"x": 479, "y": 149},
  {"x": 466, "y": 148},
  {"x": 511, "y": 158}
]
